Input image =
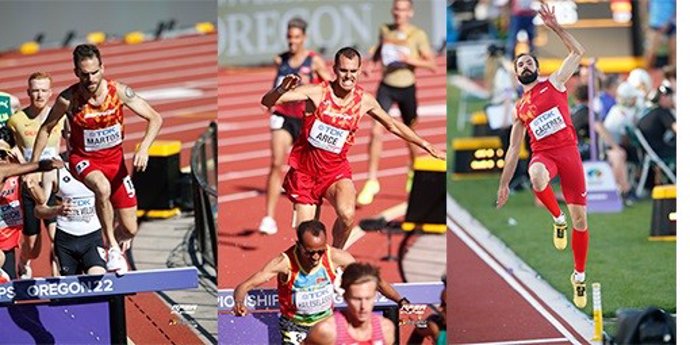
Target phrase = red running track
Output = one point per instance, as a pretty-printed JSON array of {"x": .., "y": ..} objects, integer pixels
[
  {"x": 490, "y": 306},
  {"x": 186, "y": 62}
]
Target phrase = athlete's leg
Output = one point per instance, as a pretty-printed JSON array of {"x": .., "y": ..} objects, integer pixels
[
  {"x": 371, "y": 186},
  {"x": 341, "y": 195},
  {"x": 128, "y": 226},
  {"x": 578, "y": 214},
  {"x": 540, "y": 178},
  {"x": 304, "y": 212},
  {"x": 281, "y": 140},
  {"x": 375, "y": 148},
  {"x": 100, "y": 186},
  {"x": 55, "y": 268}
]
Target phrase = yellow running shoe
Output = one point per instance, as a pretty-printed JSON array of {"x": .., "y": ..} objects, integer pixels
[
  {"x": 560, "y": 235},
  {"x": 366, "y": 196},
  {"x": 579, "y": 292}
]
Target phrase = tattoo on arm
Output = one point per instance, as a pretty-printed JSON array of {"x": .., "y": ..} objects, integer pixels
[{"x": 129, "y": 93}]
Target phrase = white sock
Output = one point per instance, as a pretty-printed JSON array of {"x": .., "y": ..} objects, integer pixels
[
  {"x": 560, "y": 219},
  {"x": 579, "y": 276}
]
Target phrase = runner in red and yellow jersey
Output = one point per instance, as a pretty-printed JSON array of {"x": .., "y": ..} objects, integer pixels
[
  {"x": 286, "y": 119},
  {"x": 318, "y": 161},
  {"x": 306, "y": 275},
  {"x": 96, "y": 118},
  {"x": 543, "y": 112}
]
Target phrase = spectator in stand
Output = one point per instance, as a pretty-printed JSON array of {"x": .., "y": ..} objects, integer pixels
[
  {"x": 607, "y": 95},
  {"x": 662, "y": 26},
  {"x": 659, "y": 124}
]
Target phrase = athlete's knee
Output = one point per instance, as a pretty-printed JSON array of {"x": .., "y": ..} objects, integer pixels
[
  {"x": 377, "y": 132},
  {"x": 102, "y": 190},
  {"x": 579, "y": 219},
  {"x": 539, "y": 177},
  {"x": 347, "y": 215}
]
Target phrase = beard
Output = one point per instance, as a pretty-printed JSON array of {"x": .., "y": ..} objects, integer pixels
[{"x": 527, "y": 77}]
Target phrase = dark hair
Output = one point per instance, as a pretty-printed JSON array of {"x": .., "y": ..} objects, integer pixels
[
  {"x": 7, "y": 136},
  {"x": 536, "y": 62},
  {"x": 669, "y": 71},
  {"x": 84, "y": 51},
  {"x": 349, "y": 53},
  {"x": 610, "y": 81},
  {"x": 358, "y": 273},
  {"x": 658, "y": 92},
  {"x": 582, "y": 93},
  {"x": 298, "y": 23},
  {"x": 314, "y": 227}
]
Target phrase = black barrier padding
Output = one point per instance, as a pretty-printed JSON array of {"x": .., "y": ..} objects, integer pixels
[
  {"x": 156, "y": 187},
  {"x": 427, "y": 201}
]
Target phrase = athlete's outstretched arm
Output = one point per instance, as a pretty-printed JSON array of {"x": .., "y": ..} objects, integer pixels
[
  {"x": 289, "y": 91},
  {"x": 277, "y": 265},
  {"x": 142, "y": 108},
  {"x": 516, "y": 136},
  {"x": 575, "y": 49},
  {"x": 56, "y": 112},
  {"x": 16, "y": 169},
  {"x": 373, "y": 108}
]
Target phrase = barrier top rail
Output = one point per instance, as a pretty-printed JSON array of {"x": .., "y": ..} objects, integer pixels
[{"x": 99, "y": 285}]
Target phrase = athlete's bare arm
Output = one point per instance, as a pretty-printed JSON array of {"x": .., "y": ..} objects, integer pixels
[
  {"x": 516, "y": 136},
  {"x": 321, "y": 69},
  {"x": 56, "y": 113},
  {"x": 343, "y": 258},
  {"x": 322, "y": 333},
  {"x": 16, "y": 169},
  {"x": 142, "y": 108},
  {"x": 373, "y": 108},
  {"x": 575, "y": 49},
  {"x": 279, "y": 264},
  {"x": 289, "y": 91}
]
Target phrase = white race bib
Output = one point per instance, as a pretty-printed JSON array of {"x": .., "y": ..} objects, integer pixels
[
  {"x": 327, "y": 137},
  {"x": 84, "y": 209},
  {"x": 48, "y": 152},
  {"x": 547, "y": 123},
  {"x": 314, "y": 300},
  {"x": 10, "y": 215},
  {"x": 390, "y": 53},
  {"x": 104, "y": 138}
]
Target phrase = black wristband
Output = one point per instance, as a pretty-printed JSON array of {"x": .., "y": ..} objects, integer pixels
[
  {"x": 403, "y": 301},
  {"x": 44, "y": 165}
]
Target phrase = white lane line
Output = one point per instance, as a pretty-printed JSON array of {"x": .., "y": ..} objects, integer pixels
[
  {"x": 521, "y": 342},
  {"x": 501, "y": 271}
]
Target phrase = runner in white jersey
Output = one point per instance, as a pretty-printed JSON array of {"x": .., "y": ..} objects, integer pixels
[{"x": 78, "y": 242}]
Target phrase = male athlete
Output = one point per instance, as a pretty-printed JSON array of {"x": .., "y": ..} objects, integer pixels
[
  {"x": 318, "y": 161},
  {"x": 96, "y": 116},
  {"x": 357, "y": 324},
  {"x": 306, "y": 272},
  {"x": 286, "y": 119},
  {"x": 11, "y": 219},
  {"x": 543, "y": 112},
  {"x": 24, "y": 124},
  {"x": 402, "y": 48}
]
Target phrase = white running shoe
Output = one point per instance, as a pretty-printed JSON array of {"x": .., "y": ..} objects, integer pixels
[
  {"x": 4, "y": 277},
  {"x": 268, "y": 226},
  {"x": 116, "y": 261},
  {"x": 25, "y": 272}
]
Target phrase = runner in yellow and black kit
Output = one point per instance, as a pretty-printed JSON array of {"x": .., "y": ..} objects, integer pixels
[{"x": 402, "y": 48}]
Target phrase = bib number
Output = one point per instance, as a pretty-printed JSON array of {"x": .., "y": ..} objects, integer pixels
[
  {"x": 129, "y": 186},
  {"x": 327, "y": 137},
  {"x": 391, "y": 53},
  {"x": 314, "y": 301},
  {"x": 547, "y": 123},
  {"x": 104, "y": 138}
]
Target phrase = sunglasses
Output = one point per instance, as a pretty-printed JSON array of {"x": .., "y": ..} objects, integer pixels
[{"x": 312, "y": 252}]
